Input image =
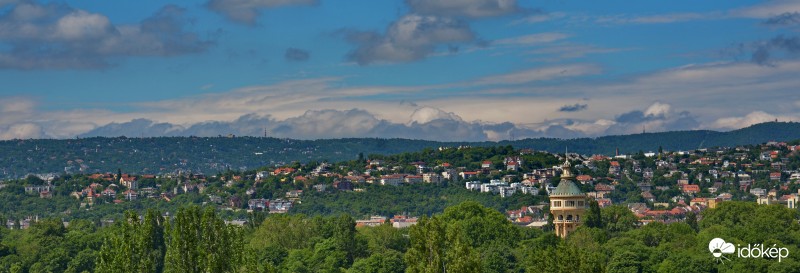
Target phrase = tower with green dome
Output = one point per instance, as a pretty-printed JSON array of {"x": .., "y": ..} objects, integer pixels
[{"x": 567, "y": 203}]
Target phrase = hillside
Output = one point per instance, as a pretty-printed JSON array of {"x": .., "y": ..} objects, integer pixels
[
  {"x": 673, "y": 141},
  {"x": 212, "y": 155}
]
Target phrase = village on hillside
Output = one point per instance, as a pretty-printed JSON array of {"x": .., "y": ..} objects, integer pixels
[{"x": 656, "y": 186}]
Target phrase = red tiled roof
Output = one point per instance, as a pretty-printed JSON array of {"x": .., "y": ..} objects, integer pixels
[
  {"x": 603, "y": 187},
  {"x": 687, "y": 188},
  {"x": 584, "y": 177}
]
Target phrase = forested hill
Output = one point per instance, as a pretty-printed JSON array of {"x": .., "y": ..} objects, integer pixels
[
  {"x": 211, "y": 155},
  {"x": 672, "y": 141}
]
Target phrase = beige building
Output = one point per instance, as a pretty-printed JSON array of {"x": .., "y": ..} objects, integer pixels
[{"x": 567, "y": 203}]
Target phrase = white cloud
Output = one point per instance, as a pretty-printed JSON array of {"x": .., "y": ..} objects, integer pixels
[
  {"x": 330, "y": 123},
  {"x": 754, "y": 117},
  {"x": 81, "y": 25},
  {"x": 57, "y": 36},
  {"x": 247, "y": 11},
  {"x": 412, "y": 37},
  {"x": 16, "y": 105},
  {"x": 538, "y": 18},
  {"x": 658, "y": 109},
  {"x": 560, "y": 51},
  {"x": 464, "y": 8},
  {"x": 427, "y": 114},
  {"x": 594, "y": 128},
  {"x": 689, "y": 97},
  {"x": 532, "y": 39},
  {"x": 663, "y": 18},
  {"x": 541, "y": 74},
  {"x": 767, "y": 9},
  {"x": 22, "y": 131}
]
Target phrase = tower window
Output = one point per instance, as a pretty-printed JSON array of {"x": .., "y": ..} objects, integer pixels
[
  {"x": 570, "y": 203},
  {"x": 556, "y": 204},
  {"x": 580, "y": 204}
]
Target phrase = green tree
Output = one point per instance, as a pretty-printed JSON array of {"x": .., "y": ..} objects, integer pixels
[
  {"x": 594, "y": 218},
  {"x": 344, "y": 232},
  {"x": 135, "y": 245},
  {"x": 427, "y": 250},
  {"x": 460, "y": 256},
  {"x": 624, "y": 262},
  {"x": 385, "y": 262},
  {"x": 385, "y": 238},
  {"x": 83, "y": 262},
  {"x": 202, "y": 242},
  {"x": 618, "y": 218},
  {"x": 691, "y": 220}
]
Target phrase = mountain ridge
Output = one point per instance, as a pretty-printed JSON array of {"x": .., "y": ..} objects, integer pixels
[{"x": 214, "y": 154}]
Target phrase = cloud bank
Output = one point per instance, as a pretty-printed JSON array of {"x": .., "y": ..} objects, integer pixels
[
  {"x": 426, "y": 122},
  {"x": 57, "y": 36},
  {"x": 534, "y": 102}
]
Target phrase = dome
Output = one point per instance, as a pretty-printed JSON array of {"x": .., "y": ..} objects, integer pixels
[{"x": 566, "y": 188}]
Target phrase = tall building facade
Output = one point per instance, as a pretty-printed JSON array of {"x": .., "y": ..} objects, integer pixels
[{"x": 567, "y": 203}]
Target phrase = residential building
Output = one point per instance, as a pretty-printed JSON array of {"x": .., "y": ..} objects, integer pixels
[
  {"x": 129, "y": 181},
  {"x": 130, "y": 194},
  {"x": 280, "y": 206},
  {"x": 258, "y": 204},
  {"x": 512, "y": 166},
  {"x": 373, "y": 221},
  {"x": 392, "y": 179},
  {"x": 468, "y": 175},
  {"x": 758, "y": 192},
  {"x": 413, "y": 179},
  {"x": 690, "y": 189},
  {"x": 402, "y": 221},
  {"x": 473, "y": 185},
  {"x": 431, "y": 178}
]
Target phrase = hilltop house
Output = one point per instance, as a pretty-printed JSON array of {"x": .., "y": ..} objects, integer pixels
[{"x": 128, "y": 181}]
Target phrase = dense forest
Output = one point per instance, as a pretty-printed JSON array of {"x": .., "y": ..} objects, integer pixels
[
  {"x": 466, "y": 237},
  {"x": 211, "y": 155}
]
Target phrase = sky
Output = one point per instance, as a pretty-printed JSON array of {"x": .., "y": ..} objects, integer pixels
[{"x": 468, "y": 70}]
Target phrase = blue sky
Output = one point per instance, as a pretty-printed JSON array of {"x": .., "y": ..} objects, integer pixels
[{"x": 425, "y": 69}]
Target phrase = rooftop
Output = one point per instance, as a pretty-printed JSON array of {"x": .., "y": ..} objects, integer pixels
[{"x": 566, "y": 188}]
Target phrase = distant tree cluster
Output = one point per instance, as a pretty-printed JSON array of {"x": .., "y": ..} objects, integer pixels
[{"x": 467, "y": 237}]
